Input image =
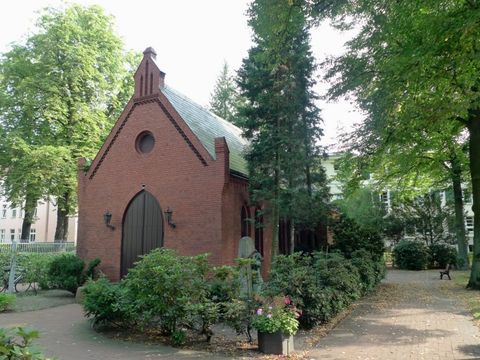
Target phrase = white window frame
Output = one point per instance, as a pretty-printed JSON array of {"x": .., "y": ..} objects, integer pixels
[{"x": 33, "y": 234}]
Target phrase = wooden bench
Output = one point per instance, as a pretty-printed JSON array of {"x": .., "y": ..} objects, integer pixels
[{"x": 445, "y": 272}]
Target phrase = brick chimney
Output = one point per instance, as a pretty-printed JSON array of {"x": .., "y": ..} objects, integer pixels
[{"x": 148, "y": 77}]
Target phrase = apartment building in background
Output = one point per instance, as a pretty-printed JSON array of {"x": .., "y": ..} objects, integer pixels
[
  {"x": 43, "y": 227},
  {"x": 330, "y": 166}
]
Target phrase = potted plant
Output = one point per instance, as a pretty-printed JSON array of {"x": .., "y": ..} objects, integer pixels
[{"x": 276, "y": 323}]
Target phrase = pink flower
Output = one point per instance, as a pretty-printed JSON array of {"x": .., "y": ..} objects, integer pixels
[
  {"x": 259, "y": 311},
  {"x": 287, "y": 300}
]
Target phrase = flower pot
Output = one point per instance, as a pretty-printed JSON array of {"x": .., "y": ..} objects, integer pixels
[{"x": 275, "y": 343}]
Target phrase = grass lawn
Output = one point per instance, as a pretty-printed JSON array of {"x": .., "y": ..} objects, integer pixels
[{"x": 470, "y": 297}]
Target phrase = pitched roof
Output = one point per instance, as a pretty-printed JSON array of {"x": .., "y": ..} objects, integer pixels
[{"x": 207, "y": 126}]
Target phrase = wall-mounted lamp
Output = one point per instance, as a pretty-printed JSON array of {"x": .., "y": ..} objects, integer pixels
[
  {"x": 169, "y": 216},
  {"x": 107, "y": 217}
]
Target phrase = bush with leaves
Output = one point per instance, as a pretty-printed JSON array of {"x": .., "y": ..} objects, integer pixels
[
  {"x": 321, "y": 284},
  {"x": 6, "y": 301},
  {"x": 107, "y": 303},
  {"x": 35, "y": 267},
  {"x": 348, "y": 237},
  {"x": 411, "y": 255},
  {"x": 68, "y": 272},
  {"x": 17, "y": 344},
  {"x": 442, "y": 254},
  {"x": 169, "y": 291}
]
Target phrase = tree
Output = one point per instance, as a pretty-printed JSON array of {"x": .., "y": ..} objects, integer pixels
[
  {"x": 225, "y": 100},
  {"x": 426, "y": 217},
  {"x": 280, "y": 117},
  {"x": 413, "y": 68},
  {"x": 364, "y": 207},
  {"x": 62, "y": 88}
]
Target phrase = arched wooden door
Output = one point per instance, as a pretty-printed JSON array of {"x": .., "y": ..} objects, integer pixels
[{"x": 142, "y": 229}]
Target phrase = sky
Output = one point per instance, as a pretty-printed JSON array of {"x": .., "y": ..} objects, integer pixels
[{"x": 192, "y": 39}]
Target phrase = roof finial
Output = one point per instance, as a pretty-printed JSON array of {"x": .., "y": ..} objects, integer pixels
[{"x": 150, "y": 51}]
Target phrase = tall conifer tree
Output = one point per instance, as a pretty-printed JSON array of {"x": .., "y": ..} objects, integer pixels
[{"x": 280, "y": 117}]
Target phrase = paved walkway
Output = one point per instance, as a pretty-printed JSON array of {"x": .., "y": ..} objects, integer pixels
[
  {"x": 66, "y": 335},
  {"x": 412, "y": 316}
]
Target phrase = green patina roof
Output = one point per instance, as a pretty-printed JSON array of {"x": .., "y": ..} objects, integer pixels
[{"x": 208, "y": 126}]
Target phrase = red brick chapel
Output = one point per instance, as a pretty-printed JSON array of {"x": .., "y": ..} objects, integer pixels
[{"x": 170, "y": 174}]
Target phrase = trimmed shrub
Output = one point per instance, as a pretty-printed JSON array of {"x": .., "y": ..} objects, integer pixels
[
  {"x": 106, "y": 303},
  {"x": 66, "y": 272},
  {"x": 322, "y": 285},
  {"x": 369, "y": 276},
  {"x": 349, "y": 237},
  {"x": 411, "y": 255},
  {"x": 442, "y": 254},
  {"x": 169, "y": 292},
  {"x": 6, "y": 301}
]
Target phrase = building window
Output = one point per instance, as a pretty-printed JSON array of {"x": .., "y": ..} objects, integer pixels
[
  {"x": 35, "y": 213},
  {"x": 245, "y": 225},
  {"x": 145, "y": 142},
  {"x": 19, "y": 234},
  {"x": 12, "y": 235},
  {"x": 469, "y": 223},
  {"x": 259, "y": 230},
  {"x": 4, "y": 212},
  {"x": 14, "y": 213},
  {"x": 33, "y": 234},
  {"x": 2, "y": 235}
]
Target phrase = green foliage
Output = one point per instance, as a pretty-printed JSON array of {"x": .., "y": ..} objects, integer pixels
[
  {"x": 35, "y": 267},
  {"x": 442, "y": 254},
  {"x": 426, "y": 215},
  {"x": 323, "y": 284},
  {"x": 60, "y": 92},
  {"x": 170, "y": 291},
  {"x": 106, "y": 303},
  {"x": 178, "y": 337},
  {"x": 414, "y": 71},
  {"x": 224, "y": 284},
  {"x": 364, "y": 207},
  {"x": 6, "y": 301},
  {"x": 90, "y": 270},
  {"x": 66, "y": 272},
  {"x": 411, "y": 255},
  {"x": 349, "y": 237},
  {"x": 225, "y": 100},
  {"x": 17, "y": 344},
  {"x": 239, "y": 315},
  {"x": 276, "y": 315},
  {"x": 280, "y": 116}
]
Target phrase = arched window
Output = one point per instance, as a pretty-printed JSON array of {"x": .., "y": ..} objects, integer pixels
[
  {"x": 259, "y": 230},
  {"x": 244, "y": 225}
]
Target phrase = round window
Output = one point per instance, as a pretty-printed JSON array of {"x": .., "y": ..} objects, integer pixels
[{"x": 145, "y": 142}]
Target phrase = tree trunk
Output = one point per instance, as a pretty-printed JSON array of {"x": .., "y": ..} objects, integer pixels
[
  {"x": 456, "y": 177},
  {"x": 61, "y": 231},
  {"x": 275, "y": 210},
  {"x": 292, "y": 237},
  {"x": 474, "y": 152},
  {"x": 29, "y": 212}
]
